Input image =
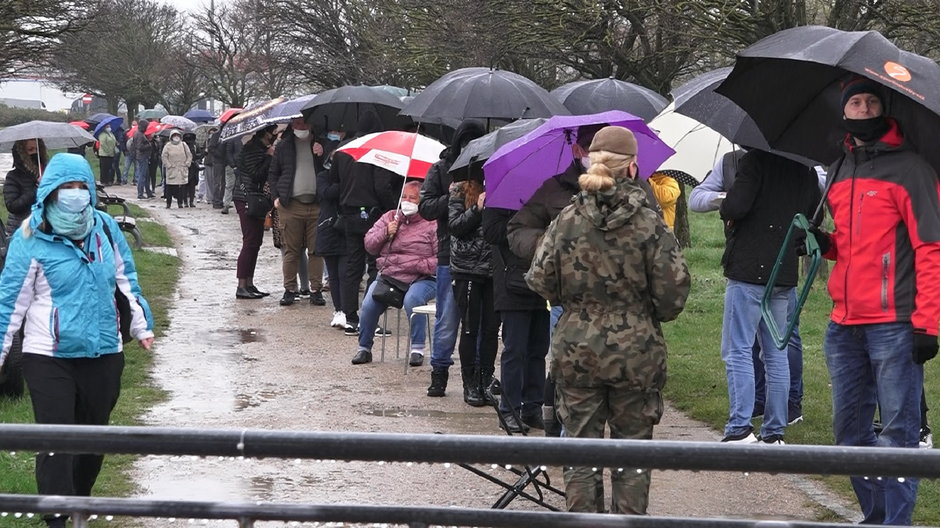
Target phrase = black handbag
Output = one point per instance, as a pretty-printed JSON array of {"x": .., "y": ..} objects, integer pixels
[
  {"x": 258, "y": 204},
  {"x": 389, "y": 292}
]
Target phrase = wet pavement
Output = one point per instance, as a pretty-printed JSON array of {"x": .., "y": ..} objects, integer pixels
[{"x": 229, "y": 363}]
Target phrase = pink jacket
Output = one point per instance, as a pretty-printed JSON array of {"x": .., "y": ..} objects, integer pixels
[{"x": 411, "y": 254}]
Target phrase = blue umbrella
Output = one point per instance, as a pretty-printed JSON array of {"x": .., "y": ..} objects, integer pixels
[
  {"x": 199, "y": 115},
  {"x": 107, "y": 122}
]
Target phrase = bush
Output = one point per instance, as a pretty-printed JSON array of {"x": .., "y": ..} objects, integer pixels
[{"x": 14, "y": 116}]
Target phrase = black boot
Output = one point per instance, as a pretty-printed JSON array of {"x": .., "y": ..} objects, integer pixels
[
  {"x": 471, "y": 387},
  {"x": 486, "y": 379},
  {"x": 438, "y": 386}
]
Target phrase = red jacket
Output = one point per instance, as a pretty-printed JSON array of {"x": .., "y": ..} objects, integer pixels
[{"x": 885, "y": 201}]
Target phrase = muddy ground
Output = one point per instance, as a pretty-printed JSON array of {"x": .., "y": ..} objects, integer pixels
[{"x": 229, "y": 363}]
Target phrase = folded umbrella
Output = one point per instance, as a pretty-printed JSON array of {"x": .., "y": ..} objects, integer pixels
[
  {"x": 601, "y": 95},
  {"x": 249, "y": 120},
  {"x": 106, "y": 123},
  {"x": 469, "y": 164},
  {"x": 483, "y": 93},
  {"x": 515, "y": 171},
  {"x": 406, "y": 153},
  {"x": 790, "y": 84},
  {"x": 199, "y": 115},
  {"x": 341, "y": 108},
  {"x": 180, "y": 122},
  {"x": 56, "y": 135}
]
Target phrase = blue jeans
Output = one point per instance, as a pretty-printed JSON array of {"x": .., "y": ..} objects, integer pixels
[
  {"x": 143, "y": 180},
  {"x": 446, "y": 321},
  {"x": 871, "y": 366},
  {"x": 794, "y": 358},
  {"x": 419, "y": 293},
  {"x": 742, "y": 321}
]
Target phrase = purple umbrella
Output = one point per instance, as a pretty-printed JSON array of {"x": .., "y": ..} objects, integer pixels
[{"x": 516, "y": 170}]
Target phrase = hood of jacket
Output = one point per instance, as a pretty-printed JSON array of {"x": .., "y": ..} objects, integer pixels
[
  {"x": 62, "y": 168},
  {"x": 612, "y": 208}
]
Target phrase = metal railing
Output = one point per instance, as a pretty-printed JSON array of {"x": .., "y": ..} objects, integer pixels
[{"x": 502, "y": 450}]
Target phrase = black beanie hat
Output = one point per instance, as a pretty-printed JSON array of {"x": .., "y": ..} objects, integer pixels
[{"x": 858, "y": 85}]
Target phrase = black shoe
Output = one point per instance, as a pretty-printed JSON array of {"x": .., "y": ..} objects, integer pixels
[
  {"x": 438, "y": 386},
  {"x": 254, "y": 289},
  {"x": 363, "y": 356},
  {"x": 416, "y": 359},
  {"x": 316, "y": 298},
  {"x": 288, "y": 298},
  {"x": 534, "y": 421},
  {"x": 245, "y": 293},
  {"x": 509, "y": 424},
  {"x": 352, "y": 329}
]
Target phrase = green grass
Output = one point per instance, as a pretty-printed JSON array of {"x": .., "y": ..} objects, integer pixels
[
  {"x": 158, "y": 274},
  {"x": 697, "y": 383}
]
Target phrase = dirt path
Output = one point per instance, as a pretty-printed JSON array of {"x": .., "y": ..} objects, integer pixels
[{"x": 255, "y": 364}]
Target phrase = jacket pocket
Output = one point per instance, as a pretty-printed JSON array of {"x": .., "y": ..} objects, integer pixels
[{"x": 885, "y": 274}]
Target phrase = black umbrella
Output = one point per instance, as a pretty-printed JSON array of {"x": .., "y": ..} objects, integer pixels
[
  {"x": 482, "y": 93},
  {"x": 697, "y": 99},
  {"x": 470, "y": 161},
  {"x": 790, "y": 84},
  {"x": 341, "y": 108},
  {"x": 600, "y": 95}
]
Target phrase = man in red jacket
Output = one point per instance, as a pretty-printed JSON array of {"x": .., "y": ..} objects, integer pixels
[{"x": 885, "y": 287}]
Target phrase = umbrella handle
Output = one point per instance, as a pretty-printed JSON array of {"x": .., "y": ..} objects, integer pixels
[{"x": 781, "y": 338}]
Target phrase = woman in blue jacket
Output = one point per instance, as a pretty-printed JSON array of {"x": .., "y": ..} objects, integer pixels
[{"x": 59, "y": 283}]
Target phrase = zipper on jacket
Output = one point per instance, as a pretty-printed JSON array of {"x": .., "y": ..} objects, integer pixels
[{"x": 885, "y": 266}]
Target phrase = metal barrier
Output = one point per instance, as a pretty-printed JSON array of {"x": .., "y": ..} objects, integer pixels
[{"x": 503, "y": 450}]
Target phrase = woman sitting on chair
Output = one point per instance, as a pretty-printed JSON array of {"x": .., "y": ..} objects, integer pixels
[{"x": 406, "y": 247}]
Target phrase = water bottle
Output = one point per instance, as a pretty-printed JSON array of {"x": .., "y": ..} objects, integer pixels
[{"x": 363, "y": 214}]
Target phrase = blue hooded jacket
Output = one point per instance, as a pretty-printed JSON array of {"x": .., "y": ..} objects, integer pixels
[{"x": 61, "y": 293}]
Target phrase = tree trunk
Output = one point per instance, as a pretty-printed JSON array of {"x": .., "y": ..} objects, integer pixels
[{"x": 682, "y": 220}]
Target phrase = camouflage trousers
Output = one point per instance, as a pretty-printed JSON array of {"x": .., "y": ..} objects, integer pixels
[{"x": 631, "y": 414}]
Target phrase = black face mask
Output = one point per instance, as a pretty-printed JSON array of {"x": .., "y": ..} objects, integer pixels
[{"x": 867, "y": 130}]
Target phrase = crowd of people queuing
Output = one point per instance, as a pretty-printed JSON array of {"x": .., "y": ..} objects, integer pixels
[{"x": 583, "y": 275}]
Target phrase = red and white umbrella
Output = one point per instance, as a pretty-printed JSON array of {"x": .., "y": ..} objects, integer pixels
[{"x": 406, "y": 153}]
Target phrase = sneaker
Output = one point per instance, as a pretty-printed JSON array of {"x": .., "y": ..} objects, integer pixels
[
  {"x": 926, "y": 438},
  {"x": 316, "y": 298},
  {"x": 741, "y": 438},
  {"x": 379, "y": 331},
  {"x": 772, "y": 440},
  {"x": 288, "y": 298},
  {"x": 339, "y": 320},
  {"x": 416, "y": 359},
  {"x": 351, "y": 329}
]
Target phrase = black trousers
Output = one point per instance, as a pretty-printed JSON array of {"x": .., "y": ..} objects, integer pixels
[{"x": 71, "y": 392}]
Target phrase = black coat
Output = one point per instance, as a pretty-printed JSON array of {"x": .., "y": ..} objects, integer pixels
[
  {"x": 330, "y": 241},
  {"x": 251, "y": 172},
  {"x": 19, "y": 193},
  {"x": 435, "y": 195},
  {"x": 768, "y": 191},
  {"x": 470, "y": 254},
  {"x": 510, "y": 291}
]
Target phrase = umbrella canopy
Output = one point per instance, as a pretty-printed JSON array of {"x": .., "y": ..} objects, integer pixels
[
  {"x": 341, "y": 108},
  {"x": 483, "y": 93},
  {"x": 698, "y": 148},
  {"x": 95, "y": 119},
  {"x": 152, "y": 113},
  {"x": 405, "y": 153},
  {"x": 470, "y": 161},
  {"x": 515, "y": 171},
  {"x": 55, "y": 135},
  {"x": 106, "y": 123},
  {"x": 287, "y": 110},
  {"x": 790, "y": 84},
  {"x": 249, "y": 120},
  {"x": 199, "y": 115},
  {"x": 601, "y": 95},
  {"x": 179, "y": 122}
]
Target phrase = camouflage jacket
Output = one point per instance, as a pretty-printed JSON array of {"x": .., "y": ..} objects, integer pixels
[{"x": 611, "y": 262}]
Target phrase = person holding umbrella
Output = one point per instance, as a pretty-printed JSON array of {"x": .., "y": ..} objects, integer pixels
[{"x": 885, "y": 287}]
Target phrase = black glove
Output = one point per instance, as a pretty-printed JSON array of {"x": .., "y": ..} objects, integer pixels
[
  {"x": 823, "y": 238},
  {"x": 925, "y": 347}
]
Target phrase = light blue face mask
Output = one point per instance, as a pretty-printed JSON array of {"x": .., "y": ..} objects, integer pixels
[{"x": 73, "y": 200}]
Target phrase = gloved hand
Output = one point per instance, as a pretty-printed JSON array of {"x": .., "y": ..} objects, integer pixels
[
  {"x": 925, "y": 347},
  {"x": 823, "y": 238}
]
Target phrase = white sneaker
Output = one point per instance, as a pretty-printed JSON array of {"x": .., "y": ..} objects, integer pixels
[{"x": 339, "y": 320}]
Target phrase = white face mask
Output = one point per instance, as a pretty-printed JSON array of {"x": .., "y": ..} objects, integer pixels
[
  {"x": 409, "y": 208},
  {"x": 586, "y": 162},
  {"x": 302, "y": 134}
]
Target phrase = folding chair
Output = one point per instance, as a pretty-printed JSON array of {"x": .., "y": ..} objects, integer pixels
[{"x": 527, "y": 476}]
